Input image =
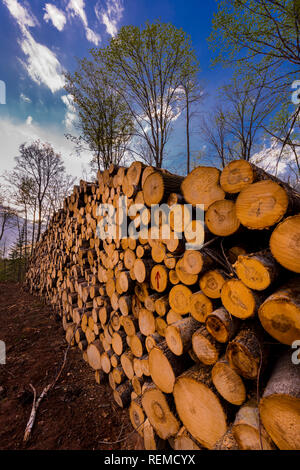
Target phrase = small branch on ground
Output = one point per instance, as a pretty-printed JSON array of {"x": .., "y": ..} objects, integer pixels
[{"x": 36, "y": 402}]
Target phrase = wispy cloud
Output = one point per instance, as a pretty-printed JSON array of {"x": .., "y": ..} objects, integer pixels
[
  {"x": 76, "y": 8},
  {"x": 110, "y": 15},
  {"x": 21, "y": 14},
  {"x": 41, "y": 63},
  {"x": 71, "y": 116},
  {"x": 14, "y": 132},
  {"x": 25, "y": 98},
  {"x": 56, "y": 16}
]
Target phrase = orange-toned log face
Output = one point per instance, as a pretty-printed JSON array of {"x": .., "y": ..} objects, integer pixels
[
  {"x": 161, "y": 371},
  {"x": 201, "y": 186},
  {"x": 200, "y": 411},
  {"x": 221, "y": 218},
  {"x": 200, "y": 306},
  {"x": 159, "y": 413},
  {"x": 192, "y": 261},
  {"x": 228, "y": 383},
  {"x": 236, "y": 175},
  {"x": 280, "y": 416},
  {"x": 285, "y": 243},
  {"x": 211, "y": 284},
  {"x": 179, "y": 299},
  {"x": 238, "y": 299},
  {"x": 159, "y": 278},
  {"x": 253, "y": 273},
  {"x": 281, "y": 319},
  {"x": 183, "y": 275},
  {"x": 261, "y": 205}
]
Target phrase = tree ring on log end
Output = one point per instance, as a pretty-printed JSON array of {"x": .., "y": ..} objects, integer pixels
[
  {"x": 200, "y": 410},
  {"x": 161, "y": 370},
  {"x": 158, "y": 411},
  {"x": 261, "y": 205}
]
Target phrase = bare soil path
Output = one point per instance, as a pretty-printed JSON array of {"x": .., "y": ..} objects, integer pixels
[{"x": 78, "y": 413}]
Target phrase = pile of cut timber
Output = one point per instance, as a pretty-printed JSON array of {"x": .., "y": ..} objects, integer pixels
[{"x": 184, "y": 336}]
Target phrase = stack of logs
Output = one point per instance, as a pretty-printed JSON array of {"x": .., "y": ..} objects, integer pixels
[{"x": 197, "y": 342}]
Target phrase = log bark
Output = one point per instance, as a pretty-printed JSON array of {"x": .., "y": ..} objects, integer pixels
[
  {"x": 246, "y": 352},
  {"x": 280, "y": 405}
]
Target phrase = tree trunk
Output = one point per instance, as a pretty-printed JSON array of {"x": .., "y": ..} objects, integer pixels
[{"x": 188, "y": 135}]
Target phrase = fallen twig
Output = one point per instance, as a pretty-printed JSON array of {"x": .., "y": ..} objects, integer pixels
[
  {"x": 36, "y": 402},
  {"x": 258, "y": 398}
]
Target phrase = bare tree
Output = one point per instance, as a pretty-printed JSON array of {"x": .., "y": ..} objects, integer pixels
[
  {"x": 237, "y": 124},
  {"x": 22, "y": 194},
  {"x": 58, "y": 191},
  {"x": 248, "y": 108},
  {"x": 7, "y": 216},
  {"x": 190, "y": 94},
  {"x": 214, "y": 133},
  {"x": 40, "y": 164},
  {"x": 260, "y": 38}
]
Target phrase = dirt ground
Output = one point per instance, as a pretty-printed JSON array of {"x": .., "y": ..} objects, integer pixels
[{"x": 78, "y": 413}]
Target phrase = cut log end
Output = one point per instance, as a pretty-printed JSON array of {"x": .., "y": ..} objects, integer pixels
[
  {"x": 161, "y": 370},
  {"x": 228, "y": 383},
  {"x": 285, "y": 243},
  {"x": 201, "y": 186},
  {"x": 199, "y": 408},
  {"x": 280, "y": 313},
  {"x": 238, "y": 299},
  {"x": 221, "y": 218},
  {"x": 261, "y": 205},
  {"x": 236, "y": 176},
  {"x": 159, "y": 413}
]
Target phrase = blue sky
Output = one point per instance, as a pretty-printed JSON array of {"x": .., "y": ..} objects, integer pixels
[{"x": 41, "y": 39}]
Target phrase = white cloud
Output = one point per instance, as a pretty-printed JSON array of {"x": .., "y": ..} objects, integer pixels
[
  {"x": 42, "y": 64},
  {"x": 71, "y": 111},
  {"x": 286, "y": 168},
  {"x": 76, "y": 8},
  {"x": 21, "y": 15},
  {"x": 29, "y": 121},
  {"x": 92, "y": 36},
  {"x": 25, "y": 98},
  {"x": 111, "y": 15},
  {"x": 55, "y": 15},
  {"x": 14, "y": 133}
]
